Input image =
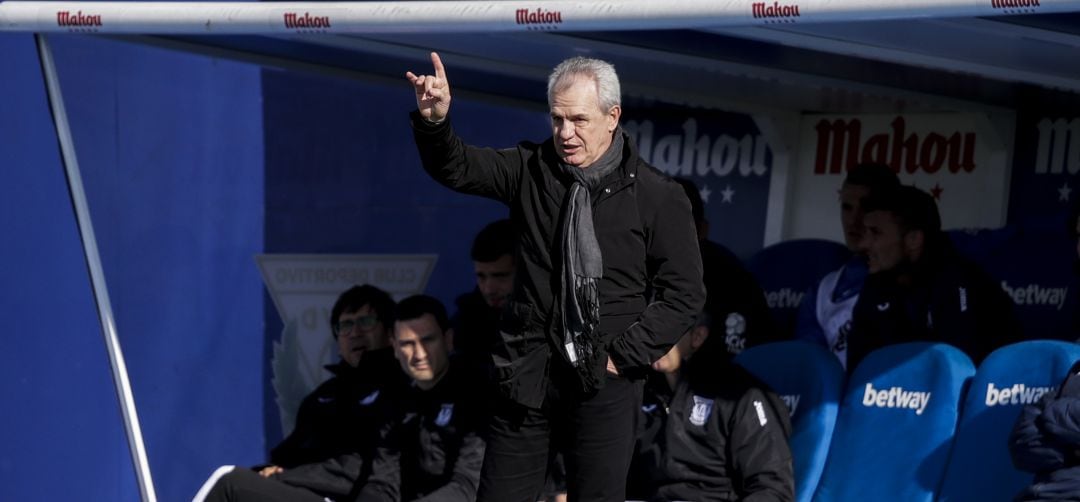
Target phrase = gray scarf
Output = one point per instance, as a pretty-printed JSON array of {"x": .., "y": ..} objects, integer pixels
[{"x": 583, "y": 265}]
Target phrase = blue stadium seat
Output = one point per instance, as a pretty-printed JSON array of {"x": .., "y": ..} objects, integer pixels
[
  {"x": 896, "y": 425},
  {"x": 810, "y": 380},
  {"x": 1010, "y": 377},
  {"x": 788, "y": 269}
]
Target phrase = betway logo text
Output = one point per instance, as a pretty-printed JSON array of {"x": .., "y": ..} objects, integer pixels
[
  {"x": 538, "y": 16},
  {"x": 66, "y": 18},
  {"x": 785, "y": 298},
  {"x": 896, "y": 397},
  {"x": 1033, "y": 294},
  {"x": 689, "y": 153},
  {"x": 295, "y": 20},
  {"x": 792, "y": 402},
  {"x": 762, "y": 9},
  {"x": 840, "y": 147},
  {"x": 1017, "y": 394},
  {"x": 1059, "y": 146}
]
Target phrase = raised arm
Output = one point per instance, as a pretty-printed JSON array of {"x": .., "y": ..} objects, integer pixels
[{"x": 464, "y": 168}]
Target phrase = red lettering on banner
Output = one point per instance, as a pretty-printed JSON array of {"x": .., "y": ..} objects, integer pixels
[
  {"x": 294, "y": 20},
  {"x": 78, "y": 19},
  {"x": 840, "y": 147},
  {"x": 775, "y": 10},
  {"x": 538, "y": 16}
]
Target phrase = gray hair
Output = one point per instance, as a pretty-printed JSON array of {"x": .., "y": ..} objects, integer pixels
[{"x": 602, "y": 72}]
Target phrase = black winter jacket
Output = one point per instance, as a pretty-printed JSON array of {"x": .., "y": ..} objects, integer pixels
[
  {"x": 476, "y": 331},
  {"x": 950, "y": 300},
  {"x": 336, "y": 427},
  {"x": 735, "y": 301},
  {"x": 431, "y": 448},
  {"x": 647, "y": 239},
  {"x": 721, "y": 437},
  {"x": 1046, "y": 441}
]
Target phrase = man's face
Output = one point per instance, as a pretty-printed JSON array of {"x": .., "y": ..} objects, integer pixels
[
  {"x": 851, "y": 214},
  {"x": 883, "y": 243},
  {"x": 582, "y": 130},
  {"x": 420, "y": 347},
  {"x": 495, "y": 279},
  {"x": 359, "y": 331}
]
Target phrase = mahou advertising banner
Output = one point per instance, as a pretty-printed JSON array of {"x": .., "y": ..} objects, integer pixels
[
  {"x": 725, "y": 154},
  {"x": 958, "y": 158},
  {"x": 1036, "y": 264},
  {"x": 1045, "y": 168}
]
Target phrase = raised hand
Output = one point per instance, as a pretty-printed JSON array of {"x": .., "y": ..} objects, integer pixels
[{"x": 432, "y": 92}]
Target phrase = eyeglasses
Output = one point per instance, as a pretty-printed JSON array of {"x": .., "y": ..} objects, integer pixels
[{"x": 363, "y": 322}]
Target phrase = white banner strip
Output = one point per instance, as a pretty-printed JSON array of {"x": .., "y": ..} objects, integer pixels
[{"x": 479, "y": 16}]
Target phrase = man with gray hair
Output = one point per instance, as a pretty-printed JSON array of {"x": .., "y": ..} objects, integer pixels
[{"x": 608, "y": 278}]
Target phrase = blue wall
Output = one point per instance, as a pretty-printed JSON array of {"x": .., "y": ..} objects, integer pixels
[
  {"x": 343, "y": 175},
  {"x": 60, "y": 428},
  {"x": 170, "y": 147}
]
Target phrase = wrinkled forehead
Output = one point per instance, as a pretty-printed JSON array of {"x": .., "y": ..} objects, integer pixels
[{"x": 576, "y": 89}]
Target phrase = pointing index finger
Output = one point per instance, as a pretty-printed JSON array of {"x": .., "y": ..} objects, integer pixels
[{"x": 440, "y": 71}]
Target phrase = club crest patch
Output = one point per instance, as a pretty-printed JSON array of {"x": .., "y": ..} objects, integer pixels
[
  {"x": 701, "y": 410},
  {"x": 445, "y": 414}
]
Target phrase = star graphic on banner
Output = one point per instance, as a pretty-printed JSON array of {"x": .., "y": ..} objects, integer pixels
[
  {"x": 1063, "y": 192},
  {"x": 936, "y": 191},
  {"x": 705, "y": 193},
  {"x": 727, "y": 193}
]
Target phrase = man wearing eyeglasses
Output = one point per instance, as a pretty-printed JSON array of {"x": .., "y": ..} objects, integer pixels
[{"x": 336, "y": 427}]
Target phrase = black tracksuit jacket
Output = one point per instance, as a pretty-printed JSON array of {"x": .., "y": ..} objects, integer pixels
[
  {"x": 431, "y": 447},
  {"x": 949, "y": 300},
  {"x": 735, "y": 301},
  {"x": 337, "y": 426},
  {"x": 721, "y": 435}
]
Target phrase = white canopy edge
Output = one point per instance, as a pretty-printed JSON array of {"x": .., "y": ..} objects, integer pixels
[{"x": 190, "y": 18}]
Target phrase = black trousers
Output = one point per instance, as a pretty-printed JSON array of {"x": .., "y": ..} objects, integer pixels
[
  {"x": 594, "y": 432},
  {"x": 244, "y": 485}
]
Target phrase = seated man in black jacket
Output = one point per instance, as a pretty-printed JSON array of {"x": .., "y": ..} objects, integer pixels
[
  {"x": 710, "y": 431},
  {"x": 476, "y": 323},
  {"x": 336, "y": 427},
  {"x": 430, "y": 448},
  {"x": 1046, "y": 442},
  {"x": 476, "y": 330},
  {"x": 732, "y": 293},
  {"x": 919, "y": 288}
]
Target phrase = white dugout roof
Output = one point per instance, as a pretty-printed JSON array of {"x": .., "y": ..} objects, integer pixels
[{"x": 811, "y": 55}]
